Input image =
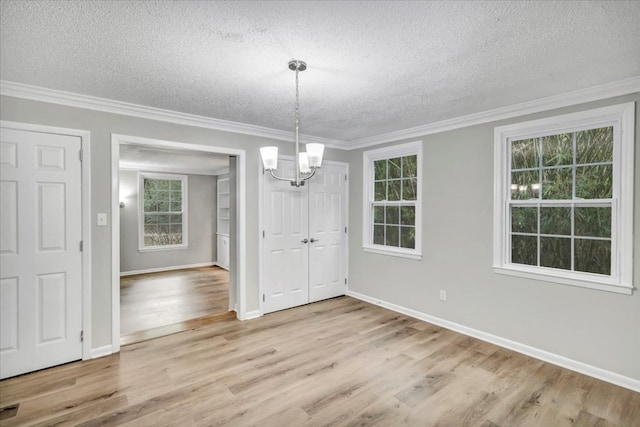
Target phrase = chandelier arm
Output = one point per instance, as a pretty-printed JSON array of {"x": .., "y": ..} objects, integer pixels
[
  {"x": 280, "y": 178},
  {"x": 313, "y": 172},
  {"x": 293, "y": 181}
]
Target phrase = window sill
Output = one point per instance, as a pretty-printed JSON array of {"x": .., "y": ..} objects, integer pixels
[
  {"x": 400, "y": 253},
  {"x": 162, "y": 248},
  {"x": 569, "y": 279}
]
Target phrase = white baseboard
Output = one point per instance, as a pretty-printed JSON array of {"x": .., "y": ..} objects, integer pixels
[
  {"x": 254, "y": 314},
  {"x": 173, "y": 267},
  {"x": 224, "y": 267},
  {"x": 105, "y": 350},
  {"x": 574, "y": 365}
]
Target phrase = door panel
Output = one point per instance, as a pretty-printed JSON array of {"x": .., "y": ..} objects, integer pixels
[
  {"x": 9, "y": 314},
  {"x": 9, "y": 218},
  {"x": 40, "y": 258},
  {"x": 327, "y": 219},
  {"x": 286, "y": 257},
  {"x": 50, "y": 218},
  {"x": 51, "y": 313}
]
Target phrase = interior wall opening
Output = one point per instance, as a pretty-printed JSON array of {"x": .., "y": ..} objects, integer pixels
[{"x": 175, "y": 207}]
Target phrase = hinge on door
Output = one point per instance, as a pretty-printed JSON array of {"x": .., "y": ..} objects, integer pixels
[
  {"x": 345, "y": 177},
  {"x": 345, "y": 280},
  {"x": 345, "y": 229},
  {"x": 262, "y": 297},
  {"x": 81, "y": 245},
  {"x": 80, "y": 155},
  {"x": 263, "y": 234},
  {"x": 81, "y": 336}
]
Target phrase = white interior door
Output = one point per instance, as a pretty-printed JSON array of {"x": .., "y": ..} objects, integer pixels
[
  {"x": 327, "y": 241},
  {"x": 304, "y": 252},
  {"x": 40, "y": 257},
  {"x": 286, "y": 255}
]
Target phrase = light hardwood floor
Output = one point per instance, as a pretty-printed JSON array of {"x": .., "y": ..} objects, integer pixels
[
  {"x": 333, "y": 363},
  {"x": 157, "y": 304}
]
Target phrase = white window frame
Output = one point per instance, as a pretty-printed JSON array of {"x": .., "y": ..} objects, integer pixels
[
  {"x": 185, "y": 229},
  {"x": 622, "y": 118},
  {"x": 401, "y": 150}
]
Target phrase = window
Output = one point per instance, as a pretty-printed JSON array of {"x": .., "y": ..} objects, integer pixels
[
  {"x": 392, "y": 200},
  {"x": 564, "y": 195},
  {"x": 163, "y": 214}
]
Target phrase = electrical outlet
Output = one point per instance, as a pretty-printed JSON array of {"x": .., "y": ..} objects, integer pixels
[{"x": 443, "y": 295}]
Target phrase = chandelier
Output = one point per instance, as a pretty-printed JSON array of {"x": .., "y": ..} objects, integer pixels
[{"x": 307, "y": 163}]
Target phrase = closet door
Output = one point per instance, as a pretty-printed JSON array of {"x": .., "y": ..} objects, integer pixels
[
  {"x": 327, "y": 233},
  {"x": 41, "y": 230},
  {"x": 285, "y": 252}
]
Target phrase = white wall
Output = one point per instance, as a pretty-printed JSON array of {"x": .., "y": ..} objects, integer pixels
[
  {"x": 594, "y": 327},
  {"x": 201, "y": 226}
]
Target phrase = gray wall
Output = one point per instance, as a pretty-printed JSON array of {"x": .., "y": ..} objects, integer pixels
[
  {"x": 102, "y": 125},
  {"x": 201, "y": 226},
  {"x": 595, "y": 327}
]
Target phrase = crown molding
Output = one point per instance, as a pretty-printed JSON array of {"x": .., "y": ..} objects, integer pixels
[
  {"x": 594, "y": 93},
  {"x": 70, "y": 99}
]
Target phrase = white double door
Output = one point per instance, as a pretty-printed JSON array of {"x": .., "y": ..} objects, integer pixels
[
  {"x": 304, "y": 252},
  {"x": 40, "y": 255}
]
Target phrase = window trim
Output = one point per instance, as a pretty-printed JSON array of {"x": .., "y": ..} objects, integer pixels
[
  {"x": 368, "y": 157},
  {"x": 185, "y": 204},
  {"x": 622, "y": 118}
]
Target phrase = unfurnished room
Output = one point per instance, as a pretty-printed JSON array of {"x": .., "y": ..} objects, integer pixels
[{"x": 319, "y": 213}]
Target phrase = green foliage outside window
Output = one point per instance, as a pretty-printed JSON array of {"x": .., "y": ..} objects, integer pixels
[
  {"x": 396, "y": 181},
  {"x": 162, "y": 212},
  {"x": 576, "y": 168}
]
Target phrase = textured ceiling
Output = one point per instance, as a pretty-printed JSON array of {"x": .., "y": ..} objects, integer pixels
[{"x": 374, "y": 67}]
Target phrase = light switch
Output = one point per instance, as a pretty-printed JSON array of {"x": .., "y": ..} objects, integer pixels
[{"x": 102, "y": 219}]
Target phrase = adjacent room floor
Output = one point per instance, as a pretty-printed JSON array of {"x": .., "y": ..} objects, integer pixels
[
  {"x": 156, "y": 304},
  {"x": 340, "y": 362}
]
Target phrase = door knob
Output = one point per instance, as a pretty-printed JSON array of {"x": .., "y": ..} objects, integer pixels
[
  {"x": 305, "y": 240},
  {"x": 314, "y": 240}
]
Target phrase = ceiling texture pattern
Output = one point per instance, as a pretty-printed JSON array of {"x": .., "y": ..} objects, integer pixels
[{"x": 374, "y": 67}]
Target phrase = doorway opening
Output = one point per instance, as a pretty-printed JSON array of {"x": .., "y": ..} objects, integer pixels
[{"x": 177, "y": 237}]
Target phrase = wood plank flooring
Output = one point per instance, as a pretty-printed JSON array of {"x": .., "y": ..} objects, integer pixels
[
  {"x": 152, "y": 301},
  {"x": 174, "y": 328},
  {"x": 340, "y": 362}
]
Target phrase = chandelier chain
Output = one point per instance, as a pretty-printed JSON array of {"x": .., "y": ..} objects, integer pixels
[
  {"x": 297, "y": 99},
  {"x": 297, "y": 125}
]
